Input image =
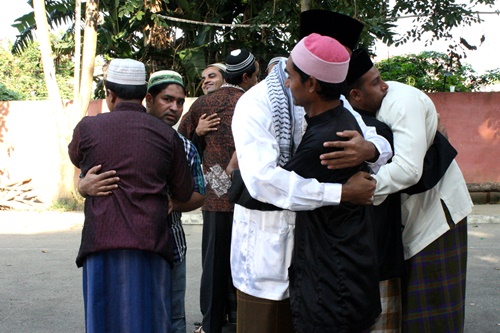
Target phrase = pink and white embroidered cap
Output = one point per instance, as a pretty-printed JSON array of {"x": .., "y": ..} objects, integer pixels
[{"x": 321, "y": 57}]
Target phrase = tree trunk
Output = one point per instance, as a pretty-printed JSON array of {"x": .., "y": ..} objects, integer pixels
[
  {"x": 77, "y": 57},
  {"x": 66, "y": 172},
  {"x": 305, "y": 5},
  {"x": 88, "y": 58},
  {"x": 43, "y": 34}
]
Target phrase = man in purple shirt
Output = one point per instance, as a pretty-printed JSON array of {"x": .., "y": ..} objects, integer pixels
[{"x": 125, "y": 247}]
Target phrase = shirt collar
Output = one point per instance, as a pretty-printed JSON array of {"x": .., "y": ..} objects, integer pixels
[
  {"x": 365, "y": 113},
  {"x": 324, "y": 116},
  {"x": 129, "y": 106}
]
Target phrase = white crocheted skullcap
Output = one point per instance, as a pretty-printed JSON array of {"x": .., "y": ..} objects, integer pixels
[
  {"x": 219, "y": 65},
  {"x": 126, "y": 72}
]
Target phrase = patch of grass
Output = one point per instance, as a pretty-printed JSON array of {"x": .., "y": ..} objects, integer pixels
[{"x": 67, "y": 205}]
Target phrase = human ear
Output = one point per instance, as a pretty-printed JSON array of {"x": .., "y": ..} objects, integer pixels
[
  {"x": 112, "y": 96},
  {"x": 313, "y": 84},
  {"x": 149, "y": 100},
  {"x": 355, "y": 94}
]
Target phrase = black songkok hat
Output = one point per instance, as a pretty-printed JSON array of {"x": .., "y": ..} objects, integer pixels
[
  {"x": 239, "y": 61},
  {"x": 343, "y": 28},
  {"x": 359, "y": 64}
]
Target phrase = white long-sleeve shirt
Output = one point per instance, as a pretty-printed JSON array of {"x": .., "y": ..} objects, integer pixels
[
  {"x": 262, "y": 241},
  {"x": 412, "y": 117}
]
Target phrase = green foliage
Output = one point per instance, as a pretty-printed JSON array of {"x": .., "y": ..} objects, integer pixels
[
  {"x": 434, "y": 72},
  {"x": 7, "y": 94},
  {"x": 75, "y": 203},
  {"x": 59, "y": 13},
  {"x": 144, "y": 30},
  {"x": 490, "y": 77},
  {"x": 23, "y": 77},
  {"x": 435, "y": 18}
]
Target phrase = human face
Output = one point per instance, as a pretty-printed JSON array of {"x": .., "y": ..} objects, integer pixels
[
  {"x": 211, "y": 79},
  {"x": 251, "y": 80},
  {"x": 373, "y": 90},
  {"x": 168, "y": 104},
  {"x": 294, "y": 83}
]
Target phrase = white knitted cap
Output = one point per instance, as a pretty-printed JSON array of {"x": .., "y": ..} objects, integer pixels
[{"x": 126, "y": 72}]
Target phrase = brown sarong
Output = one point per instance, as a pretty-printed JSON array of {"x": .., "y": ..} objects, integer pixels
[{"x": 259, "y": 315}]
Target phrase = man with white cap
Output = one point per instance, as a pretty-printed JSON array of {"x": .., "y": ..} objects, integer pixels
[
  {"x": 217, "y": 149},
  {"x": 124, "y": 250},
  {"x": 334, "y": 272},
  {"x": 212, "y": 78},
  {"x": 164, "y": 100},
  {"x": 267, "y": 128}
]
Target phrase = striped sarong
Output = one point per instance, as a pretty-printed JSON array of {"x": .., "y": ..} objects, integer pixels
[
  {"x": 433, "y": 284},
  {"x": 389, "y": 320}
]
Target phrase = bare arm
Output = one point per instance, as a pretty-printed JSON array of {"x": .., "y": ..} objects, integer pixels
[
  {"x": 98, "y": 185},
  {"x": 232, "y": 165},
  {"x": 196, "y": 201},
  {"x": 354, "y": 151}
]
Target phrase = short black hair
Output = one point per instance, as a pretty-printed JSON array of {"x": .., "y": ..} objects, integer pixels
[
  {"x": 356, "y": 84},
  {"x": 155, "y": 90},
  {"x": 127, "y": 92},
  {"x": 237, "y": 78},
  {"x": 329, "y": 91}
]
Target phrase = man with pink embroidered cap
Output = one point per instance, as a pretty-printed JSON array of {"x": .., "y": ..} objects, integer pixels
[
  {"x": 267, "y": 129},
  {"x": 333, "y": 275}
]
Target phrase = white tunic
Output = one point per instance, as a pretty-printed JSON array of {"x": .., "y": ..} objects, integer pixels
[
  {"x": 262, "y": 241},
  {"x": 412, "y": 116}
]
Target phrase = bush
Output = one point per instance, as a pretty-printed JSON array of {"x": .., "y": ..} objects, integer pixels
[
  {"x": 73, "y": 204},
  {"x": 8, "y": 95},
  {"x": 430, "y": 71},
  {"x": 23, "y": 77}
]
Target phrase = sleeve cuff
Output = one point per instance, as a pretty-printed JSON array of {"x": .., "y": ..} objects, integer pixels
[{"x": 332, "y": 194}]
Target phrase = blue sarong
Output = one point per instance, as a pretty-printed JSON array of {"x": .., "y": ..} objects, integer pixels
[{"x": 127, "y": 291}]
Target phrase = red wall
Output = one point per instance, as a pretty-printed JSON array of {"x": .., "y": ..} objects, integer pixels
[
  {"x": 29, "y": 139},
  {"x": 472, "y": 121}
]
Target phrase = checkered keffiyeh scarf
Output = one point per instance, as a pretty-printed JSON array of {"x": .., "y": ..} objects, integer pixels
[{"x": 282, "y": 108}]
